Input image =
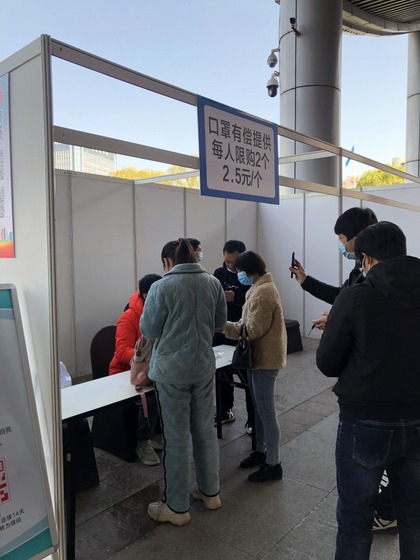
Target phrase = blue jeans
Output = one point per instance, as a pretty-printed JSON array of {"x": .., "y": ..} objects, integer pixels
[
  {"x": 267, "y": 431},
  {"x": 364, "y": 449}
]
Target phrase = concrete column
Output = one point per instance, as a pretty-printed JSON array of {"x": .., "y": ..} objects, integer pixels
[
  {"x": 310, "y": 66},
  {"x": 412, "y": 145}
]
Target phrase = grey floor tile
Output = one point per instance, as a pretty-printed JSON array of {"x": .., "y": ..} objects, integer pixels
[
  {"x": 95, "y": 500},
  {"x": 119, "y": 526},
  {"x": 267, "y": 510},
  {"x": 168, "y": 542},
  {"x": 385, "y": 547},
  {"x": 309, "y": 458},
  {"x": 299, "y": 387},
  {"x": 313, "y": 538},
  {"x": 127, "y": 477},
  {"x": 327, "y": 427},
  {"x": 289, "y": 430},
  {"x": 302, "y": 417},
  {"x": 88, "y": 547},
  {"x": 317, "y": 407},
  {"x": 292, "y": 519},
  {"x": 326, "y": 397}
]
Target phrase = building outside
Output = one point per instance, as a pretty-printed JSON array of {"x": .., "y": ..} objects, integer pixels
[{"x": 86, "y": 160}]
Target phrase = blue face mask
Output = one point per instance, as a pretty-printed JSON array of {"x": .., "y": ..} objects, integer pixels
[
  {"x": 344, "y": 252},
  {"x": 244, "y": 279},
  {"x": 200, "y": 256}
]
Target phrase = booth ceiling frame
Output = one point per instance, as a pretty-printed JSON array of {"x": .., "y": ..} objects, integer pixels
[{"x": 322, "y": 149}]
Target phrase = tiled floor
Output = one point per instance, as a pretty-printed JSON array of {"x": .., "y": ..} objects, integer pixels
[{"x": 292, "y": 519}]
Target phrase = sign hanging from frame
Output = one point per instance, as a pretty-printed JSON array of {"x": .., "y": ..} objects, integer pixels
[{"x": 238, "y": 154}]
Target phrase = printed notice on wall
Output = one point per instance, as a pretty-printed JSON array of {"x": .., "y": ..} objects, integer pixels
[
  {"x": 27, "y": 528},
  {"x": 7, "y": 245},
  {"x": 238, "y": 154}
]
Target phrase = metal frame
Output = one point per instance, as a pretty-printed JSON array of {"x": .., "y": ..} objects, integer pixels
[{"x": 322, "y": 148}]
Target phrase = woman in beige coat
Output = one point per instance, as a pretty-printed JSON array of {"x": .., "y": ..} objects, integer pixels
[{"x": 263, "y": 315}]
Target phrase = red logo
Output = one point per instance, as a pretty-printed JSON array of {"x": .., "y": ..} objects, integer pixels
[{"x": 4, "y": 486}]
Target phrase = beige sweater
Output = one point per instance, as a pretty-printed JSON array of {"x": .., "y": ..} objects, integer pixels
[{"x": 263, "y": 315}]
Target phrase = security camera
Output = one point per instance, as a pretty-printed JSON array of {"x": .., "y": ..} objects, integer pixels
[
  {"x": 272, "y": 58},
  {"x": 272, "y": 86}
]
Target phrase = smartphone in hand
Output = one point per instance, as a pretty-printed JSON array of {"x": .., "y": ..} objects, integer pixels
[{"x": 293, "y": 264}]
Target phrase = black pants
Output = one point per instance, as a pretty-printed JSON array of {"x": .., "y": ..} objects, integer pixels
[
  {"x": 227, "y": 392},
  {"x": 384, "y": 502}
]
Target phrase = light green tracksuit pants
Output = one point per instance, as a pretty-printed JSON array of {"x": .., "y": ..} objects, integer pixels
[{"x": 188, "y": 410}]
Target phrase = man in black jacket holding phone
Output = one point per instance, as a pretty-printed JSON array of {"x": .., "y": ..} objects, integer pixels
[
  {"x": 370, "y": 343},
  {"x": 347, "y": 227}
]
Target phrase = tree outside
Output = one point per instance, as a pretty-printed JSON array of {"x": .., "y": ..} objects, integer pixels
[
  {"x": 133, "y": 173},
  {"x": 377, "y": 177}
]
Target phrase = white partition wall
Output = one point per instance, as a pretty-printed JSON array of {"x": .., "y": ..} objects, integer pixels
[
  {"x": 32, "y": 269},
  {"x": 110, "y": 233}
]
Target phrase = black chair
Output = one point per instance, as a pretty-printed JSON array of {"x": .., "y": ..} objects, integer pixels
[
  {"x": 113, "y": 430},
  {"x": 294, "y": 339}
]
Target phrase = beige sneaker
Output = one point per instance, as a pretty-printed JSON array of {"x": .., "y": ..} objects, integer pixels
[
  {"x": 161, "y": 512},
  {"x": 157, "y": 442},
  {"x": 146, "y": 453},
  {"x": 211, "y": 502}
]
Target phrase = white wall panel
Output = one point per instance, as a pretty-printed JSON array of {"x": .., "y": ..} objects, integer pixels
[
  {"x": 64, "y": 271},
  {"x": 32, "y": 268},
  {"x": 103, "y": 245},
  {"x": 160, "y": 217},
  {"x": 242, "y": 223},
  {"x": 280, "y": 231},
  {"x": 205, "y": 220}
]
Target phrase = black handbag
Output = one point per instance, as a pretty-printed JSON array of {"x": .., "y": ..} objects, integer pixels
[{"x": 242, "y": 355}]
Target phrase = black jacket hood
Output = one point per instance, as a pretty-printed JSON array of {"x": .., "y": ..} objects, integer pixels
[{"x": 397, "y": 280}]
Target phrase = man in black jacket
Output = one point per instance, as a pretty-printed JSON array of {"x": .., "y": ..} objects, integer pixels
[
  {"x": 235, "y": 299},
  {"x": 347, "y": 227},
  {"x": 371, "y": 343}
]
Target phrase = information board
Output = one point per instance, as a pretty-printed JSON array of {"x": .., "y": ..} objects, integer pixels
[
  {"x": 7, "y": 244},
  {"x": 238, "y": 154},
  {"x": 27, "y": 528}
]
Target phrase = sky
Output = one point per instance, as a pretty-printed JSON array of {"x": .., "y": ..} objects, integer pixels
[{"x": 216, "y": 48}]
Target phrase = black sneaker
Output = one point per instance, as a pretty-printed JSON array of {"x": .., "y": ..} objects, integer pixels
[
  {"x": 266, "y": 472},
  {"x": 227, "y": 417},
  {"x": 256, "y": 458}
]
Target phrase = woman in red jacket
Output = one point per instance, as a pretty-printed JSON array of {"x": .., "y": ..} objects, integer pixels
[{"x": 128, "y": 332}]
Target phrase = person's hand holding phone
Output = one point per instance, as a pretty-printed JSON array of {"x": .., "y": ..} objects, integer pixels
[{"x": 297, "y": 270}]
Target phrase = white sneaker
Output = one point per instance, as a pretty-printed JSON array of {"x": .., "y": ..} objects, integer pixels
[
  {"x": 211, "y": 502},
  {"x": 161, "y": 512},
  {"x": 157, "y": 442},
  {"x": 146, "y": 453},
  {"x": 380, "y": 524}
]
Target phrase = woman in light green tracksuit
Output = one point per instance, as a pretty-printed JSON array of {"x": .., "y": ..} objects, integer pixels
[{"x": 182, "y": 312}]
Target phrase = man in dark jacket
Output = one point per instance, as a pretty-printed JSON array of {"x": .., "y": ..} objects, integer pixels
[
  {"x": 371, "y": 343},
  {"x": 235, "y": 298},
  {"x": 347, "y": 227}
]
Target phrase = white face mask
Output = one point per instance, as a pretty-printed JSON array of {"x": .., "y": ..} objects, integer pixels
[
  {"x": 200, "y": 256},
  {"x": 362, "y": 270}
]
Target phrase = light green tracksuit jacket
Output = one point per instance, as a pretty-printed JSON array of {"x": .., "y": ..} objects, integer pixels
[{"x": 181, "y": 313}]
